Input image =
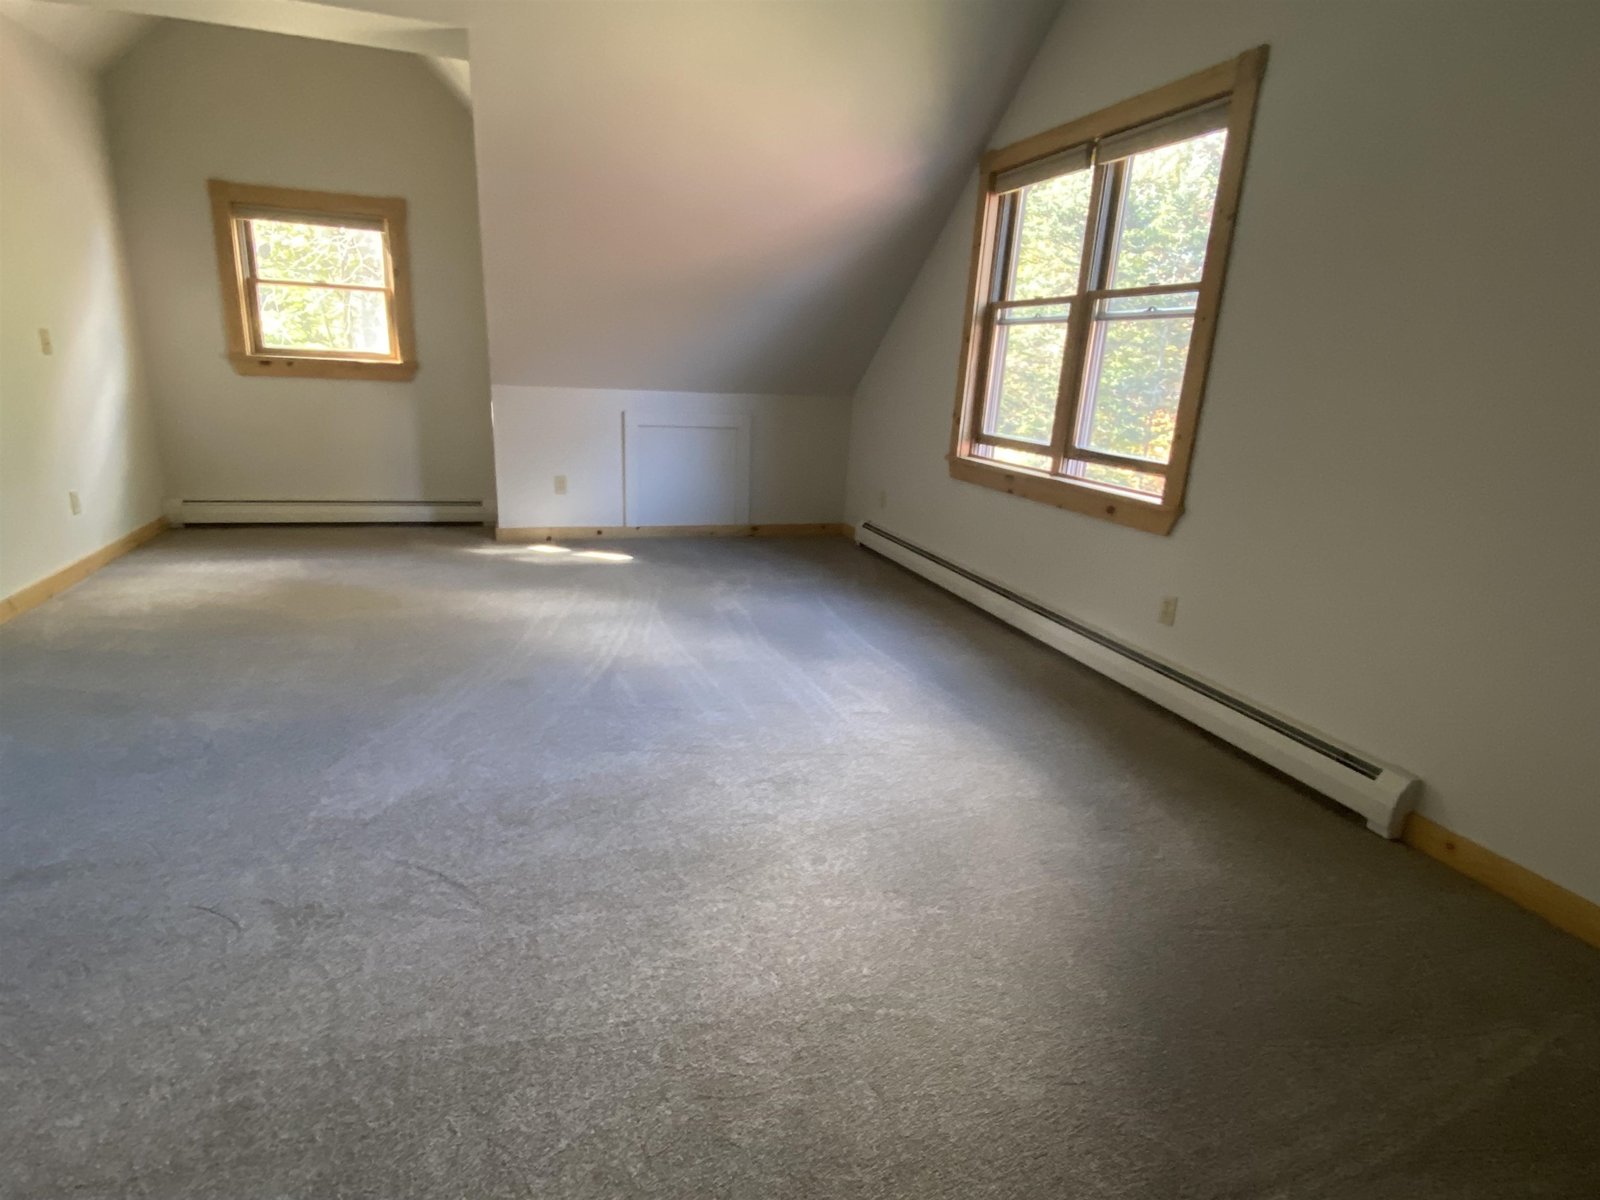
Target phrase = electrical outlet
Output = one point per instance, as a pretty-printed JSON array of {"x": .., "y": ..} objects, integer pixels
[
  {"x": 74, "y": 503},
  {"x": 1169, "y": 610},
  {"x": 561, "y": 485},
  {"x": 45, "y": 345}
]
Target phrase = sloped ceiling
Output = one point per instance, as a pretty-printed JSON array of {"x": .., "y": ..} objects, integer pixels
[
  {"x": 91, "y": 38},
  {"x": 329, "y": 20},
  {"x": 698, "y": 195},
  {"x": 723, "y": 197},
  {"x": 95, "y": 33}
]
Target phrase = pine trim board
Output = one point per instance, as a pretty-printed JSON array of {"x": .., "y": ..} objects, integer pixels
[
  {"x": 1565, "y": 910},
  {"x": 56, "y": 582}
]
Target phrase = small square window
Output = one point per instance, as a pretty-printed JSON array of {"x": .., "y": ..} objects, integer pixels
[{"x": 314, "y": 284}]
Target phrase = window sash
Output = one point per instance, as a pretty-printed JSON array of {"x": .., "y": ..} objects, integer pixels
[
  {"x": 252, "y": 282},
  {"x": 291, "y": 216},
  {"x": 1085, "y": 306}
]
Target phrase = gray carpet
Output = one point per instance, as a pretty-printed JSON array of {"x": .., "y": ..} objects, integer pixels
[{"x": 391, "y": 863}]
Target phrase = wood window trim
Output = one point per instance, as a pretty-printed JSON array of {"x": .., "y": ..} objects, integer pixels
[
  {"x": 1238, "y": 80},
  {"x": 227, "y": 199}
]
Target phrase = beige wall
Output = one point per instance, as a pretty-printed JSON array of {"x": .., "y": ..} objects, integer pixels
[
  {"x": 190, "y": 102},
  {"x": 76, "y": 420},
  {"x": 1392, "y": 526}
]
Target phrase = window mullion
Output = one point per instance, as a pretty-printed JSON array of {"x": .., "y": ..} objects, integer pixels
[{"x": 1080, "y": 317}]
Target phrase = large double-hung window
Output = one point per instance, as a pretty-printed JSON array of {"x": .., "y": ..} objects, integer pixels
[{"x": 1096, "y": 280}]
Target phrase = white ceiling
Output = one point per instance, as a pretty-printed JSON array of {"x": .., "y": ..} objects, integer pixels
[
  {"x": 95, "y": 33},
  {"x": 92, "y": 38},
  {"x": 723, "y": 197},
  {"x": 329, "y": 20}
]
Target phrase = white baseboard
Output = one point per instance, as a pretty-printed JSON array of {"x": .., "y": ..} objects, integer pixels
[
  {"x": 1382, "y": 795},
  {"x": 328, "y": 512}
]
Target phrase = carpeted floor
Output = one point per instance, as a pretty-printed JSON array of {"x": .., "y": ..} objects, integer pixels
[{"x": 392, "y": 863}]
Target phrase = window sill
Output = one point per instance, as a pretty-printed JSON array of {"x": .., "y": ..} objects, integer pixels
[
  {"x": 1081, "y": 498},
  {"x": 286, "y": 367}
]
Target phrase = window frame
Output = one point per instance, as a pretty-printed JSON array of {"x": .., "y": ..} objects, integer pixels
[
  {"x": 1236, "y": 82},
  {"x": 232, "y": 204}
]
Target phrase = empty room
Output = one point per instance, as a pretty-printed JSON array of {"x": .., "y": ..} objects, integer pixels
[{"x": 811, "y": 599}]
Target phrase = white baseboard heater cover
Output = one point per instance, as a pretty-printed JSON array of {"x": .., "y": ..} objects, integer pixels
[
  {"x": 1382, "y": 795},
  {"x": 327, "y": 512}
]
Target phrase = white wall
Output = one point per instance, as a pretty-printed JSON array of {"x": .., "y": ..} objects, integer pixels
[
  {"x": 78, "y": 419},
  {"x": 190, "y": 102},
  {"x": 1391, "y": 529},
  {"x": 797, "y": 456}
]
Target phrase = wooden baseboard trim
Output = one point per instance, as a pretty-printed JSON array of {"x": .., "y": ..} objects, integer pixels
[
  {"x": 54, "y": 584},
  {"x": 550, "y": 533},
  {"x": 1563, "y": 909}
]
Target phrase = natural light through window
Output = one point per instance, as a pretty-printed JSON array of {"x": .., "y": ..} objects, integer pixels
[
  {"x": 1083, "y": 371},
  {"x": 319, "y": 286},
  {"x": 545, "y": 552},
  {"x": 313, "y": 282},
  {"x": 1137, "y": 290}
]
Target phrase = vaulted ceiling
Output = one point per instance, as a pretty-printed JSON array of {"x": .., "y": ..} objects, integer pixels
[
  {"x": 723, "y": 196},
  {"x": 95, "y": 33},
  {"x": 93, "y": 38},
  {"x": 698, "y": 195}
]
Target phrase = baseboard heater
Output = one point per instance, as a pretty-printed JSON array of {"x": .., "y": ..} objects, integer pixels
[
  {"x": 1381, "y": 794},
  {"x": 327, "y": 512}
]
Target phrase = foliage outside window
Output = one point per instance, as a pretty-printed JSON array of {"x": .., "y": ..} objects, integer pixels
[
  {"x": 314, "y": 284},
  {"x": 1096, "y": 280}
]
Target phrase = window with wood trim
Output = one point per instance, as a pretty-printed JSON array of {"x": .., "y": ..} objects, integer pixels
[
  {"x": 1096, "y": 279},
  {"x": 314, "y": 284}
]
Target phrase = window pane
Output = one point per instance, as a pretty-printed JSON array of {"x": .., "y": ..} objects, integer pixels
[
  {"x": 317, "y": 253},
  {"x": 1135, "y": 374},
  {"x": 1016, "y": 458},
  {"x": 1119, "y": 477},
  {"x": 1166, "y": 214},
  {"x": 1050, "y": 239},
  {"x": 314, "y": 318},
  {"x": 1028, "y": 370}
]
